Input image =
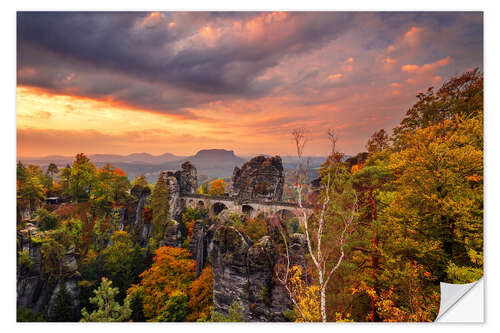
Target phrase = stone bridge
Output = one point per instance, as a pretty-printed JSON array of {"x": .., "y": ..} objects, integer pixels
[{"x": 251, "y": 207}]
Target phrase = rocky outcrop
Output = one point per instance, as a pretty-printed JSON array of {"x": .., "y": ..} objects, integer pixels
[
  {"x": 36, "y": 291},
  {"x": 244, "y": 273},
  {"x": 198, "y": 246},
  {"x": 141, "y": 193},
  {"x": 260, "y": 178},
  {"x": 172, "y": 236},
  {"x": 188, "y": 178},
  {"x": 174, "y": 191}
]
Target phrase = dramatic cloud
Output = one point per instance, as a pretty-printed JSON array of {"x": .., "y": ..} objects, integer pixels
[{"x": 236, "y": 80}]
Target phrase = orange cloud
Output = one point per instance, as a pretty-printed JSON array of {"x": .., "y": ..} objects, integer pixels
[
  {"x": 412, "y": 36},
  {"x": 334, "y": 76},
  {"x": 411, "y": 69}
]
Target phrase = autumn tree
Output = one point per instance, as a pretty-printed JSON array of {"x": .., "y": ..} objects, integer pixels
[
  {"x": 111, "y": 185},
  {"x": 30, "y": 192},
  {"x": 161, "y": 207},
  {"x": 460, "y": 96},
  {"x": 217, "y": 187},
  {"x": 202, "y": 189},
  {"x": 378, "y": 141},
  {"x": 435, "y": 213},
  {"x": 201, "y": 296},
  {"x": 108, "y": 309},
  {"x": 171, "y": 275},
  {"x": 333, "y": 218},
  {"x": 82, "y": 178}
]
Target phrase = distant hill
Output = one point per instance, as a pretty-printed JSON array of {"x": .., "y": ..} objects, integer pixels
[
  {"x": 141, "y": 158},
  {"x": 213, "y": 163}
]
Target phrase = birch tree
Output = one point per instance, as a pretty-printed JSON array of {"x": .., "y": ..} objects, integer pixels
[{"x": 331, "y": 221}]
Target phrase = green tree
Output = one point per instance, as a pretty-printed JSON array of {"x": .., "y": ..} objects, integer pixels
[
  {"x": 161, "y": 208},
  {"x": 62, "y": 311},
  {"x": 52, "y": 169},
  {"x": 122, "y": 261},
  {"x": 141, "y": 180},
  {"x": 234, "y": 314},
  {"x": 108, "y": 310},
  {"x": 46, "y": 219},
  {"x": 31, "y": 192},
  {"x": 82, "y": 178},
  {"x": 64, "y": 178},
  {"x": 176, "y": 308}
]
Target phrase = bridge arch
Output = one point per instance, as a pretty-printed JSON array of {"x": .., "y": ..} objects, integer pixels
[
  {"x": 218, "y": 207},
  {"x": 289, "y": 218},
  {"x": 248, "y": 210}
]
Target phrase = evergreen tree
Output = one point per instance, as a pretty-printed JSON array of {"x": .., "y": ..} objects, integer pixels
[
  {"x": 62, "y": 311},
  {"x": 161, "y": 207},
  {"x": 108, "y": 310},
  {"x": 51, "y": 170}
]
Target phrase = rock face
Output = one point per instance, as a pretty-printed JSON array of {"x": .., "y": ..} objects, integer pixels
[
  {"x": 174, "y": 191},
  {"x": 172, "y": 236},
  {"x": 260, "y": 178},
  {"x": 244, "y": 273},
  {"x": 198, "y": 246},
  {"x": 36, "y": 292},
  {"x": 188, "y": 178},
  {"x": 178, "y": 182}
]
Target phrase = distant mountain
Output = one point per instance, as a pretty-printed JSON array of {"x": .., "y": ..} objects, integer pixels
[
  {"x": 215, "y": 162},
  {"x": 142, "y": 158},
  {"x": 135, "y": 158}
]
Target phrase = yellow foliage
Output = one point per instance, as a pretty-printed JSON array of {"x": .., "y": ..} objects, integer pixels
[{"x": 306, "y": 298}]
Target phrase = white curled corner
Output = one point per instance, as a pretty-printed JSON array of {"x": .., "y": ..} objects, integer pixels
[{"x": 462, "y": 303}]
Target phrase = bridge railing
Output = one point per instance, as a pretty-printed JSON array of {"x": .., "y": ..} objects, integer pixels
[{"x": 238, "y": 200}]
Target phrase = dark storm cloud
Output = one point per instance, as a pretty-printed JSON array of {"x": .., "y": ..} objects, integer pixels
[{"x": 142, "y": 61}]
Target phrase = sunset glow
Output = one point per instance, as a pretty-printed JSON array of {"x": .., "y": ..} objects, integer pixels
[{"x": 180, "y": 82}]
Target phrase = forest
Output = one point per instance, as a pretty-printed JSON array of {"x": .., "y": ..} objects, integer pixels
[{"x": 381, "y": 229}]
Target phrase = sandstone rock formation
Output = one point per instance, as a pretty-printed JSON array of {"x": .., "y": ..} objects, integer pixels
[
  {"x": 35, "y": 291},
  {"x": 198, "y": 246},
  {"x": 260, "y": 178},
  {"x": 188, "y": 178},
  {"x": 174, "y": 190},
  {"x": 172, "y": 236},
  {"x": 244, "y": 273}
]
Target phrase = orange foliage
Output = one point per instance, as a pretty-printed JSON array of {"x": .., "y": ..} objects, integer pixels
[
  {"x": 173, "y": 270},
  {"x": 66, "y": 210},
  {"x": 356, "y": 168},
  {"x": 217, "y": 187},
  {"x": 119, "y": 172},
  {"x": 201, "y": 295}
]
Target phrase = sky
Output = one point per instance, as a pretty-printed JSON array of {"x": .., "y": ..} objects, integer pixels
[{"x": 179, "y": 82}]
